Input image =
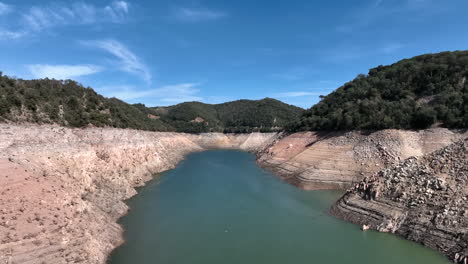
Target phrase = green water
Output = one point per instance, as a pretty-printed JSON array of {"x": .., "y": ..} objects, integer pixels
[{"x": 220, "y": 207}]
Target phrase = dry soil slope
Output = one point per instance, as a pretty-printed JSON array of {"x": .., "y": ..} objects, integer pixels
[
  {"x": 330, "y": 160},
  {"x": 61, "y": 189}
]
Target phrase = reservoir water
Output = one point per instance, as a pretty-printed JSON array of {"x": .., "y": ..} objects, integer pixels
[{"x": 220, "y": 207}]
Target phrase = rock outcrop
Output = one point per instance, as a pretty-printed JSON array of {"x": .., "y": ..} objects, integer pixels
[
  {"x": 62, "y": 189},
  {"x": 336, "y": 160},
  {"x": 423, "y": 199}
]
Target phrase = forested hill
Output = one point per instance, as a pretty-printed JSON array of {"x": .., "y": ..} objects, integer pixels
[
  {"x": 416, "y": 93},
  {"x": 237, "y": 116},
  {"x": 70, "y": 104}
]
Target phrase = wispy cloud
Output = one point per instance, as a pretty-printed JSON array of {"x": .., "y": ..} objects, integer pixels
[
  {"x": 198, "y": 14},
  {"x": 7, "y": 34},
  {"x": 124, "y": 92},
  {"x": 5, "y": 9},
  {"x": 382, "y": 10},
  {"x": 127, "y": 60},
  {"x": 179, "y": 93},
  {"x": 170, "y": 94},
  {"x": 80, "y": 13},
  {"x": 350, "y": 52},
  {"x": 24, "y": 22},
  {"x": 117, "y": 10},
  {"x": 62, "y": 72}
]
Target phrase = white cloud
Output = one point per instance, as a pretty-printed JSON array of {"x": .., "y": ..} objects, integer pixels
[
  {"x": 124, "y": 92},
  {"x": 166, "y": 94},
  {"x": 120, "y": 5},
  {"x": 296, "y": 94},
  {"x": 62, "y": 72},
  {"x": 7, "y": 34},
  {"x": 179, "y": 93},
  {"x": 5, "y": 9},
  {"x": 128, "y": 61},
  {"x": 117, "y": 10},
  {"x": 197, "y": 15},
  {"x": 41, "y": 17}
]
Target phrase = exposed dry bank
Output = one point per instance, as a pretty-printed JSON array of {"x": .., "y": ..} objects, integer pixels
[
  {"x": 422, "y": 199},
  {"x": 62, "y": 189},
  {"x": 335, "y": 160}
]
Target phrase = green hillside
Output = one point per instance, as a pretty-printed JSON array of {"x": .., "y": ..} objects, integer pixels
[
  {"x": 238, "y": 116},
  {"x": 416, "y": 93},
  {"x": 70, "y": 104}
]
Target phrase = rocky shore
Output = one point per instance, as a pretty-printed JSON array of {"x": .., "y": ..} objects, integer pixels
[
  {"x": 62, "y": 189},
  {"x": 423, "y": 199},
  {"x": 336, "y": 160}
]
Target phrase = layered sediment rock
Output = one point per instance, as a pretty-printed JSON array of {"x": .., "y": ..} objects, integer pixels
[
  {"x": 62, "y": 189},
  {"x": 331, "y": 160},
  {"x": 423, "y": 199}
]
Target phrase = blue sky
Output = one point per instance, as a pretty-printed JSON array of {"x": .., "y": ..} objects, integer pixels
[{"x": 166, "y": 52}]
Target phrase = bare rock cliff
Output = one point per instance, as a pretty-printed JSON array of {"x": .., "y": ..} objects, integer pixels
[
  {"x": 422, "y": 199},
  {"x": 331, "y": 160},
  {"x": 62, "y": 189}
]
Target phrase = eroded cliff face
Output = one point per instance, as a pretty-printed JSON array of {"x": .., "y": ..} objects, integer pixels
[
  {"x": 422, "y": 199},
  {"x": 62, "y": 189},
  {"x": 331, "y": 160}
]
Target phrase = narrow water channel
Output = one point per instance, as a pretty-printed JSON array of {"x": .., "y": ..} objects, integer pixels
[{"x": 220, "y": 207}]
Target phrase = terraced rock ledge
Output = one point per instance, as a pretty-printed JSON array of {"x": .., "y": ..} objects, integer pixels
[
  {"x": 337, "y": 160},
  {"x": 423, "y": 199},
  {"x": 62, "y": 189}
]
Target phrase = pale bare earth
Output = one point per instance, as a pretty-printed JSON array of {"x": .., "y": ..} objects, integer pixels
[
  {"x": 62, "y": 189},
  {"x": 313, "y": 160},
  {"x": 423, "y": 199}
]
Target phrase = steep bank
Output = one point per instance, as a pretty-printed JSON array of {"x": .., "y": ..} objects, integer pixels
[
  {"x": 62, "y": 189},
  {"x": 422, "y": 199},
  {"x": 331, "y": 160}
]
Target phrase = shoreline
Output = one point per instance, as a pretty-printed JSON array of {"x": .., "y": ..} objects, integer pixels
[
  {"x": 88, "y": 173},
  {"x": 65, "y": 204}
]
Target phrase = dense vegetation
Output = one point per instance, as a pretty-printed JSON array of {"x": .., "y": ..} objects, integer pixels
[
  {"x": 428, "y": 90},
  {"x": 414, "y": 93},
  {"x": 67, "y": 103},
  {"x": 239, "y": 116},
  {"x": 70, "y": 104}
]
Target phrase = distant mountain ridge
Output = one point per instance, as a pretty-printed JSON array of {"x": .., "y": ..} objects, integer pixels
[
  {"x": 70, "y": 104},
  {"x": 238, "y": 116},
  {"x": 427, "y": 90},
  {"x": 417, "y": 93}
]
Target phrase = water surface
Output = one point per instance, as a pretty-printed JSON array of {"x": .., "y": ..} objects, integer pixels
[{"x": 220, "y": 207}]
